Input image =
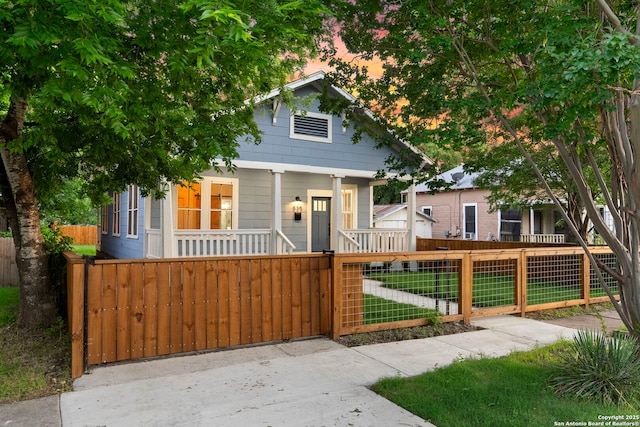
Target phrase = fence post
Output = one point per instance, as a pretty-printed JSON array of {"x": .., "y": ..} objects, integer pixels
[
  {"x": 586, "y": 279},
  {"x": 75, "y": 310},
  {"x": 466, "y": 287},
  {"x": 335, "y": 265},
  {"x": 522, "y": 282}
]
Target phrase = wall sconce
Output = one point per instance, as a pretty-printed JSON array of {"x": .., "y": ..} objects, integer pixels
[{"x": 297, "y": 209}]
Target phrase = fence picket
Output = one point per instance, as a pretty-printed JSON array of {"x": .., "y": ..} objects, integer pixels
[{"x": 150, "y": 341}]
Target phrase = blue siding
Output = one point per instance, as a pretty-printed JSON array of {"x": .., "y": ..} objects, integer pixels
[
  {"x": 122, "y": 246},
  {"x": 278, "y": 147}
]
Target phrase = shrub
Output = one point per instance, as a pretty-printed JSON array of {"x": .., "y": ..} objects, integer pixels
[{"x": 600, "y": 368}]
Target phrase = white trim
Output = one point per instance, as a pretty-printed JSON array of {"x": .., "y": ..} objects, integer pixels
[
  {"x": 310, "y": 195},
  {"x": 422, "y": 208},
  {"x": 116, "y": 202},
  {"x": 289, "y": 167},
  {"x": 354, "y": 203},
  {"x": 464, "y": 222},
  {"x": 205, "y": 207},
  {"x": 104, "y": 220},
  {"x": 133, "y": 211},
  {"x": 304, "y": 137}
]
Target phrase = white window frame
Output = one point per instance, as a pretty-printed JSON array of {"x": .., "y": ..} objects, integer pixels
[
  {"x": 205, "y": 206},
  {"x": 351, "y": 191},
  {"x": 464, "y": 220},
  {"x": 326, "y": 117},
  {"x": 133, "y": 194},
  {"x": 117, "y": 205},
  {"x": 104, "y": 220},
  {"x": 422, "y": 208}
]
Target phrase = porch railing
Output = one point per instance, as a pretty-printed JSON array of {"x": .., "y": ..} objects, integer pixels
[
  {"x": 283, "y": 244},
  {"x": 222, "y": 242},
  {"x": 374, "y": 240},
  {"x": 205, "y": 243},
  {"x": 154, "y": 243},
  {"x": 542, "y": 238}
]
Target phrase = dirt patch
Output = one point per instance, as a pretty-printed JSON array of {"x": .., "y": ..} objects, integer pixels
[{"x": 402, "y": 334}]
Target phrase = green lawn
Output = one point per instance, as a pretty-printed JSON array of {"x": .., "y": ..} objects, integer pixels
[
  {"x": 381, "y": 310},
  {"x": 489, "y": 290},
  {"x": 508, "y": 391},
  {"x": 89, "y": 250}
]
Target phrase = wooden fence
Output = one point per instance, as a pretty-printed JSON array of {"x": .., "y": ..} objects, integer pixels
[
  {"x": 145, "y": 308},
  {"x": 471, "y": 245},
  {"x": 8, "y": 268},
  {"x": 81, "y": 234}
]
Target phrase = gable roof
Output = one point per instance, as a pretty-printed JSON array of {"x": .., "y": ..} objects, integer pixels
[
  {"x": 315, "y": 80},
  {"x": 381, "y": 212}
]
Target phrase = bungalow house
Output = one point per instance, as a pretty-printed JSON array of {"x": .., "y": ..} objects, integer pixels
[
  {"x": 462, "y": 211},
  {"x": 395, "y": 216},
  {"x": 305, "y": 188}
]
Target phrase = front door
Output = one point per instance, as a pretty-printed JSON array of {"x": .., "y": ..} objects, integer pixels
[{"x": 320, "y": 223}]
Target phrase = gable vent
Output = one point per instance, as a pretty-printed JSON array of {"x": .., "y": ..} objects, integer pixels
[{"x": 312, "y": 126}]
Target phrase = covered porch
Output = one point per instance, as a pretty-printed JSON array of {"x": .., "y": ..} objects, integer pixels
[{"x": 293, "y": 221}]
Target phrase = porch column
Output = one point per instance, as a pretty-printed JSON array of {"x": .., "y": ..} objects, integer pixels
[
  {"x": 276, "y": 208},
  {"x": 411, "y": 217},
  {"x": 167, "y": 223},
  {"x": 336, "y": 212}
]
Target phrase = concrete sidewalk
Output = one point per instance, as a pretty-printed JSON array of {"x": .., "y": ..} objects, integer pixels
[{"x": 313, "y": 382}]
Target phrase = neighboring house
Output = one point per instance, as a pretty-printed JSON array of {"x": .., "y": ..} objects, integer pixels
[
  {"x": 462, "y": 211},
  {"x": 395, "y": 217},
  {"x": 305, "y": 188}
]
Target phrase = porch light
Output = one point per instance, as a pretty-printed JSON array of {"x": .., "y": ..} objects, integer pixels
[{"x": 297, "y": 209}]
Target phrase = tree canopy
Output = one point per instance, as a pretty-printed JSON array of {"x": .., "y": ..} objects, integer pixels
[
  {"x": 556, "y": 77},
  {"x": 131, "y": 92}
]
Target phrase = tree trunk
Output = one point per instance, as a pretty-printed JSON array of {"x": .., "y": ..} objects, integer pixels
[{"x": 37, "y": 307}]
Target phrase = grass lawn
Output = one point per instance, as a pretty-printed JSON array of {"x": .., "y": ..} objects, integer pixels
[
  {"x": 380, "y": 310},
  {"x": 507, "y": 391},
  {"x": 489, "y": 290},
  {"x": 89, "y": 250},
  {"x": 33, "y": 363}
]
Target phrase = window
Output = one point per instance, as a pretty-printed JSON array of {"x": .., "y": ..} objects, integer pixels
[
  {"x": 189, "y": 203},
  {"x": 221, "y": 207},
  {"x": 116, "y": 214},
  {"x": 104, "y": 220},
  {"x": 347, "y": 210},
  {"x": 427, "y": 210},
  {"x": 470, "y": 221},
  {"x": 208, "y": 205},
  {"x": 132, "y": 211},
  {"x": 510, "y": 225},
  {"x": 310, "y": 126}
]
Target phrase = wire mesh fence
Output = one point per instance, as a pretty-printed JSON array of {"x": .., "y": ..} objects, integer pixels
[
  {"x": 596, "y": 288},
  {"x": 554, "y": 278},
  {"x": 494, "y": 283},
  {"x": 380, "y": 292}
]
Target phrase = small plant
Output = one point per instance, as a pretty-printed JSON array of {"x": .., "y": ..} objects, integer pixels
[{"x": 600, "y": 368}]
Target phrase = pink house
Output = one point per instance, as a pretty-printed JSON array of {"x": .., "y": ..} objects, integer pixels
[{"x": 462, "y": 212}]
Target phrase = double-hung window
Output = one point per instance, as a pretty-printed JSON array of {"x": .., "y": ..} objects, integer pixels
[
  {"x": 116, "y": 214},
  {"x": 132, "y": 211},
  {"x": 210, "y": 204},
  {"x": 104, "y": 220}
]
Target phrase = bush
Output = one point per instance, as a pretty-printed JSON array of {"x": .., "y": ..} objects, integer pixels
[
  {"x": 55, "y": 244},
  {"x": 600, "y": 368}
]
